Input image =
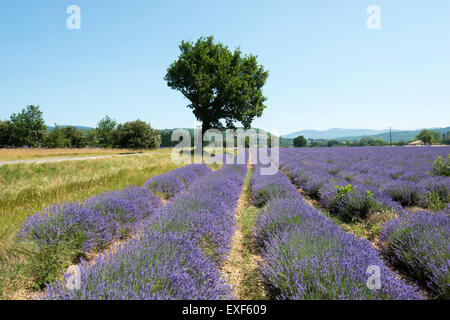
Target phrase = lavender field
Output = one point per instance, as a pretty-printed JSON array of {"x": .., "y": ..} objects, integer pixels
[{"x": 331, "y": 224}]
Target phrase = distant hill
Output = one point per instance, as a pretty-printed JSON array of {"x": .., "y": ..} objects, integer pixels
[
  {"x": 397, "y": 136},
  {"x": 333, "y": 133},
  {"x": 82, "y": 128}
]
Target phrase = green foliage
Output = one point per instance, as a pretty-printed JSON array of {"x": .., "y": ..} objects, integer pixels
[
  {"x": 341, "y": 191},
  {"x": 221, "y": 85},
  {"x": 435, "y": 201},
  {"x": 27, "y": 128},
  {"x": 56, "y": 138},
  {"x": 137, "y": 135},
  {"x": 5, "y": 132},
  {"x": 350, "y": 205},
  {"x": 333, "y": 143},
  {"x": 92, "y": 138},
  {"x": 104, "y": 132},
  {"x": 299, "y": 142},
  {"x": 75, "y": 136},
  {"x": 65, "y": 137},
  {"x": 426, "y": 136},
  {"x": 441, "y": 166},
  {"x": 446, "y": 137},
  {"x": 47, "y": 261}
]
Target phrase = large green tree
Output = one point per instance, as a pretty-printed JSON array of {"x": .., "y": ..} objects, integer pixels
[
  {"x": 28, "y": 127},
  {"x": 137, "y": 135},
  {"x": 223, "y": 87}
]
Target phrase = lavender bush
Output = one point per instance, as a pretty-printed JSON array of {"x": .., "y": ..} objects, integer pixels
[
  {"x": 267, "y": 187},
  {"x": 169, "y": 184},
  {"x": 419, "y": 244},
  {"x": 156, "y": 266},
  {"x": 355, "y": 201},
  {"x": 92, "y": 224},
  {"x": 306, "y": 256}
]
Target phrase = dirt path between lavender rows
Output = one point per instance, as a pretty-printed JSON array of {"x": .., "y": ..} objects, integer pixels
[{"x": 241, "y": 266}]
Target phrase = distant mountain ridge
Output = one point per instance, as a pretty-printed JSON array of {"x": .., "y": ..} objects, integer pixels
[
  {"x": 397, "y": 136},
  {"x": 357, "y": 134},
  {"x": 333, "y": 133},
  {"x": 82, "y": 128}
]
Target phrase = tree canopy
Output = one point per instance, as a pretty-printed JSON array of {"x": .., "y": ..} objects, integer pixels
[
  {"x": 27, "y": 127},
  {"x": 223, "y": 87},
  {"x": 426, "y": 136},
  {"x": 300, "y": 141},
  {"x": 137, "y": 135},
  {"x": 104, "y": 131}
]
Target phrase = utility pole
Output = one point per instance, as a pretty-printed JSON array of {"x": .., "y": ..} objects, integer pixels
[{"x": 390, "y": 136}]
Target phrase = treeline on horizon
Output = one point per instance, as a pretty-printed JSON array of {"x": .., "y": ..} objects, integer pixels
[
  {"x": 427, "y": 136},
  {"x": 28, "y": 129}
]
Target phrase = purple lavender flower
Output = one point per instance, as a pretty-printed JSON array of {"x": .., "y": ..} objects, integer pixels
[
  {"x": 155, "y": 267},
  {"x": 169, "y": 184},
  {"x": 92, "y": 224},
  {"x": 179, "y": 250},
  {"x": 306, "y": 256},
  {"x": 418, "y": 243},
  {"x": 267, "y": 187}
]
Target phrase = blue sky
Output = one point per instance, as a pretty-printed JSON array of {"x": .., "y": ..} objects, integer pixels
[{"x": 327, "y": 69}]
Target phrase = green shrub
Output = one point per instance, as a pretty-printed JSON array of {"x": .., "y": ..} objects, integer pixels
[
  {"x": 441, "y": 166},
  {"x": 350, "y": 203}
]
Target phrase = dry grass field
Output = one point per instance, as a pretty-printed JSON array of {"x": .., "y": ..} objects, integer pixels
[{"x": 38, "y": 153}]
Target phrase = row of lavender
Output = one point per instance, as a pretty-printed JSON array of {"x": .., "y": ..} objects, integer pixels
[
  {"x": 93, "y": 224},
  {"x": 416, "y": 243},
  {"x": 178, "y": 253},
  {"x": 169, "y": 184},
  {"x": 352, "y": 181},
  {"x": 307, "y": 256}
]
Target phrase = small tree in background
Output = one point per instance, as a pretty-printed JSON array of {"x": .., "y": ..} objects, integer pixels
[
  {"x": 446, "y": 137},
  {"x": 437, "y": 136},
  {"x": 137, "y": 135},
  {"x": 56, "y": 139},
  {"x": 104, "y": 132},
  {"x": 28, "y": 127},
  {"x": 5, "y": 132},
  {"x": 426, "y": 136},
  {"x": 300, "y": 142},
  {"x": 91, "y": 138},
  {"x": 75, "y": 136}
]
